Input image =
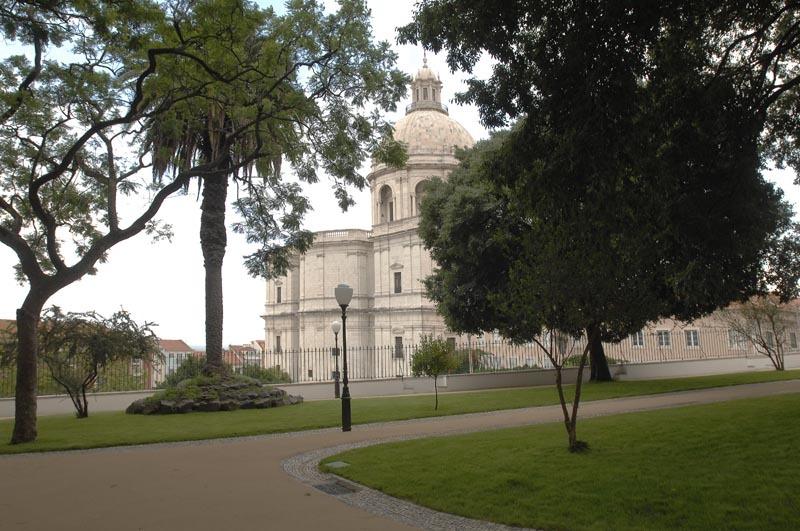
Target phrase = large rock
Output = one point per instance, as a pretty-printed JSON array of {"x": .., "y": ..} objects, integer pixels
[
  {"x": 211, "y": 405},
  {"x": 228, "y": 394}
]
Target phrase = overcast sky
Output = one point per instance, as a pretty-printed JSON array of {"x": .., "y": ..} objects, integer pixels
[{"x": 163, "y": 282}]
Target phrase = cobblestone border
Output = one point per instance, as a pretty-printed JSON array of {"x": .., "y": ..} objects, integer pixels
[{"x": 305, "y": 468}]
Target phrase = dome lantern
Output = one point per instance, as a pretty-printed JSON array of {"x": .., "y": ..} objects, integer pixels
[{"x": 426, "y": 90}]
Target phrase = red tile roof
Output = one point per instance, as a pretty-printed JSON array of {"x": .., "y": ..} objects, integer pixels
[
  {"x": 240, "y": 348},
  {"x": 174, "y": 345}
]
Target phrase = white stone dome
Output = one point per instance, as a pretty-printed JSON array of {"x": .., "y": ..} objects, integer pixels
[
  {"x": 431, "y": 130},
  {"x": 425, "y": 73}
]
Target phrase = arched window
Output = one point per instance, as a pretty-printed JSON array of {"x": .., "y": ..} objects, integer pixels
[
  {"x": 386, "y": 204},
  {"x": 419, "y": 193}
]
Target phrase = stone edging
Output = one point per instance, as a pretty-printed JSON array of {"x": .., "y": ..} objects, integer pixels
[{"x": 305, "y": 468}]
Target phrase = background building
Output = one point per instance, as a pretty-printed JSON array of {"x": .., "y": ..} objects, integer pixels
[{"x": 384, "y": 266}]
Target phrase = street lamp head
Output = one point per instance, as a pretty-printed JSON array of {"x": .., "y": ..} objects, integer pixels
[
  {"x": 336, "y": 326},
  {"x": 344, "y": 294}
]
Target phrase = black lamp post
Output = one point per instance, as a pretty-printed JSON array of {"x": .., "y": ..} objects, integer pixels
[
  {"x": 335, "y": 326},
  {"x": 344, "y": 294}
]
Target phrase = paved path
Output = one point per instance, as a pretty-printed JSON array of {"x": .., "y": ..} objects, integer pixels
[{"x": 238, "y": 484}]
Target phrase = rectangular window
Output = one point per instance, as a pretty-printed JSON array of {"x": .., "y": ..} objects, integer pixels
[
  {"x": 792, "y": 339},
  {"x": 398, "y": 347},
  {"x": 664, "y": 339},
  {"x": 692, "y": 338},
  {"x": 736, "y": 340},
  {"x": 391, "y": 210},
  {"x": 769, "y": 338},
  {"x": 398, "y": 282},
  {"x": 424, "y": 93},
  {"x": 277, "y": 344},
  {"x": 451, "y": 342},
  {"x": 311, "y": 373},
  {"x": 278, "y": 294},
  {"x": 637, "y": 339}
]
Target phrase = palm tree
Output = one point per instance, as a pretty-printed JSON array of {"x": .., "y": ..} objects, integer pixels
[{"x": 228, "y": 150}]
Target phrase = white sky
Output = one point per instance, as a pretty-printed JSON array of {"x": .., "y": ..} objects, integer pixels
[{"x": 163, "y": 282}]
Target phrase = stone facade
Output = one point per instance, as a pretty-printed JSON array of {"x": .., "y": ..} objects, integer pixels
[{"x": 384, "y": 266}]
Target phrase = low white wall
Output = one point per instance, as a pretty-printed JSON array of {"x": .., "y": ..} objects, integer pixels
[
  {"x": 411, "y": 386},
  {"x": 60, "y": 405},
  {"x": 678, "y": 369}
]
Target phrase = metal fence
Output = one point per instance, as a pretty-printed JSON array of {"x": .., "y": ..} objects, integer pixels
[
  {"x": 117, "y": 377},
  {"x": 383, "y": 362},
  {"x": 477, "y": 355}
]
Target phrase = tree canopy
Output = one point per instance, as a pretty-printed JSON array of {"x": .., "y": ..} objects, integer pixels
[
  {"x": 631, "y": 186},
  {"x": 308, "y": 87}
]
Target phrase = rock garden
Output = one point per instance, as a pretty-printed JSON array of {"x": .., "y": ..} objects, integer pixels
[{"x": 213, "y": 393}]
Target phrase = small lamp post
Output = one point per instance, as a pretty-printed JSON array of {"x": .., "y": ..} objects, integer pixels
[
  {"x": 335, "y": 326},
  {"x": 344, "y": 294}
]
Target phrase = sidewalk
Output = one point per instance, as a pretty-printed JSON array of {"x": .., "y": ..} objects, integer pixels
[{"x": 239, "y": 484}]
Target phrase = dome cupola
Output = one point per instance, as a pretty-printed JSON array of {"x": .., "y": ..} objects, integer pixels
[{"x": 426, "y": 90}]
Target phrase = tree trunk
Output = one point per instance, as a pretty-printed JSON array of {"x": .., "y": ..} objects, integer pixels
[
  {"x": 213, "y": 239},
  {"x": 436, "y": 392},
  {"x": 27, "y": 355},
  {"x": 597, "y": 356},
  {"x": 574, "y": 444}
]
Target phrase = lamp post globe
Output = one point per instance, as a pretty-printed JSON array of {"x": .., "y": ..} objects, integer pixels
[
  {"x": 335, "y": 327},
  {"x": 344, "y": 294}
]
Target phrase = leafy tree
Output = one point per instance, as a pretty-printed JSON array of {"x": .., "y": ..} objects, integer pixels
[
  {"x": 433, "y": 358},
  {"x": 318, "y": 81},
  {"x": 189, "y": 368},
  {"x": 268, "y": 375},
  {"x": 764, "y": 322},
  {"x": 527, "y": 260},
  {"x": 642, "y": 129},
  {"x": 77, "y": 346},
  {"x": 77, "y": 123}
]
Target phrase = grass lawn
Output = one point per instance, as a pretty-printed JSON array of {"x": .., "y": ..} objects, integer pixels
[
  {"x": 113, "y": 429},
  {"x": 723, "y": 466}
]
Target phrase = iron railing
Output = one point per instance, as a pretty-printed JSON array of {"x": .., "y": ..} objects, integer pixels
[{"x": 393, "y": 361}]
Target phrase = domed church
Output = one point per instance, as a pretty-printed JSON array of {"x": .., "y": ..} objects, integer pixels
[{"x": 385, "y": 266}]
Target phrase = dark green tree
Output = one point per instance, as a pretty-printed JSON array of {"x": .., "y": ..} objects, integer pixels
[
  {"x": 317, "y": 81},
  {"x": 641, "y": 133}
]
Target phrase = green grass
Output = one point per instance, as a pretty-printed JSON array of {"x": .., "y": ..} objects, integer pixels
[
  {"x": 724, "y": 466},
  {"x": 64, "y": 432}
]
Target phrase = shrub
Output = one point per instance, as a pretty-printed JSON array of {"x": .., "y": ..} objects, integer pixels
[
  {"x": 462, "y": 357},
  {"x": 270, "y": 375},
  {"x": 191, "y": 367}
]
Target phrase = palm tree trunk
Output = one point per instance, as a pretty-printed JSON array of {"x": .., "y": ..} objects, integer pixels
[{"x": 213, "y": 239}]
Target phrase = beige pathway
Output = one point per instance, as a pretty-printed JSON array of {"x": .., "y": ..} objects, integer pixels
[{"x": 239, "y": 483}]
